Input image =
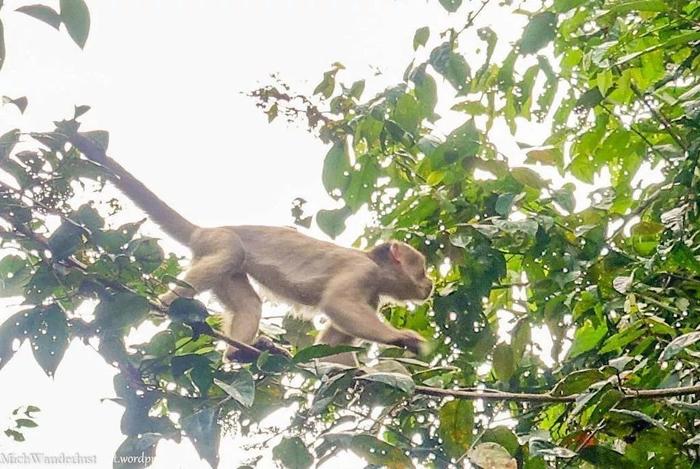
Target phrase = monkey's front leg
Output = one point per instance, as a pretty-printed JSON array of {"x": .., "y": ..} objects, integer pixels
[{"x": 359, "y": 319}]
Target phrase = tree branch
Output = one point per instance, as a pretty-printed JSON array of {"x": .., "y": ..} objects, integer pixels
[{"x": 548, "y": 397}]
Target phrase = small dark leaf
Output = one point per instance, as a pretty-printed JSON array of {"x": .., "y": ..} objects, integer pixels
[
  {"x": 241, "y": 388},
  {"x": 20, "y": 102},
  {"x": 420, "y": 38},
  {"x": 137, "y": 451},
  {"x": 188, "y": 310},
  {"x": 322, "y": 350},
  {"x": 66, "y": 240},
  {"x": 43, "y": 13},
  {"x": 80, "y": 110},
  {"x": 395, "y": 380},
  {"x": 292, "y": 453},
  {"x": 451, "y": 5}
]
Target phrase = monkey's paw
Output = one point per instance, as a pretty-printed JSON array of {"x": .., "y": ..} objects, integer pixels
[{"x": 410, "y": 340}]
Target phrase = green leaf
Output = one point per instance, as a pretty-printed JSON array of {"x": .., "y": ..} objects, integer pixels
[
  {"x": 43, "y": 13},
  {"x": 679, "y": 344},
  {"x": 395, "y": 380},
  {"x": 21, "y": 102},
  {"x": 336, "y": 169},
  {"x": 188, "y": 310},
  {"x": 539, "y": 32},
  {"x": 491, "y": 455},
  {"x": 504, "y": 203},
  {"x": 15, "y": 272},
  {"x": 322, "y": 350},
  {"x": 586, "y": 337},
  {"x": 9, "y": 139},
  {"x": 76, "y": 17},
  {"x": 408, "y": 113},
  {"x": 549, "y": 155},
  {"x": 147, "y": 253},
  {"x": 66, "y": 240},
  {"x": 2, "y": 49},
  {"x": 202, "y": 428},
  {"x": 292, "y": 453},
  {"x": 577, "y": 382},
  {"x": 504, "y": 436},
  {"x": 420, "y": 38},
  {"x": 503, "y": 365},
  {"x": 47, "y": 328},
  {"x": 451, "y": 5},
  {"x": 638, "y": 5},
  {"x": 11, "y": 329},
  {"x": 379, "y": 453},
  {"x": 456, "y": 426},
  {"x": 332, "y": 222},
  {"x": 529, "y": 177},
  {"x": 136, "y": 451},
  {"x": 241, "y": 388},
  {"x": 121, "y": 310}
]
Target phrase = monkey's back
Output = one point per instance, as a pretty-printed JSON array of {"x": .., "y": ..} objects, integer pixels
[{"x": 293, "y": 265}]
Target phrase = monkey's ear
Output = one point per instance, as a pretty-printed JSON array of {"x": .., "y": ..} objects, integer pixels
[{"x": 395, "y": 252}]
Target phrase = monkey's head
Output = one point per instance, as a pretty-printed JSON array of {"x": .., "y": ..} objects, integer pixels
[{"x": 406, "y": 268}]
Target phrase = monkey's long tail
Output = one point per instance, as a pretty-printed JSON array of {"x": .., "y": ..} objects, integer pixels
[{"x": 161, "y": 213}]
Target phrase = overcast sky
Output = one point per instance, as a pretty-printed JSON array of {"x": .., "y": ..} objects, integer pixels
[{"x": 166, "y": 78}]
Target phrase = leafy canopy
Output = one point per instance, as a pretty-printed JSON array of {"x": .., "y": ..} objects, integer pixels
[{"x": 612, "y": 282}]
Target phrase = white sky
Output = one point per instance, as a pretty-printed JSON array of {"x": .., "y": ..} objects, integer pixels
[{"x": 165, "y": 79}]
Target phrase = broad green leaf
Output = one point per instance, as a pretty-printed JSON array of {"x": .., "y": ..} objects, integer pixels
[
  {"x": 241, "y": 388},
  {"x": 503, "y": 436},
  {"x": 420, "y": 38},
  {"x": 202, "y": 428},
  {"x": 379, "y": 453},
  {"x": 47, "y": 329},
  {"x": 586, "y": 337},
  {"x": 43, "y": 13},
  {"x": 11, "y": 330},
  {"x": 121, "y": 310},
  {"x": 577, "y": 382},
  {"x": 322, "y": 350},
  {"x": 492, "y": 455},
  {"x": 395, "y": 380},
  {"x": 451, "y": 5},
  {"x": 539, "y": 32},
  {"x": 679, "y": 344},
  {"x": 503, "y": 365},
  {"x": 76, "y": 17},
  {"x": 456, "y": 425},
  {"x": 336, "y": 169},
  {"x": 292, "y": 453},
  {"x": 135, "y": 450},
  {"x": 332, "y": 222},
  {"x": 188, "y": 310},
  {"x": 14, "y": 275}
]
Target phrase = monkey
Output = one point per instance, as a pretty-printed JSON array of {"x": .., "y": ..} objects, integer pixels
[{"x": 344, "y": 283}]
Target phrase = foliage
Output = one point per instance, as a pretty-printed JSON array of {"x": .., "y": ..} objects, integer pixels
[{"x": 613, "y": 283}]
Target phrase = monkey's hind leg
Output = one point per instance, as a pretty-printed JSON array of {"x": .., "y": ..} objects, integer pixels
[
  {"x": 243, "y": 311},
  {"x": 223, "y": 255}
]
